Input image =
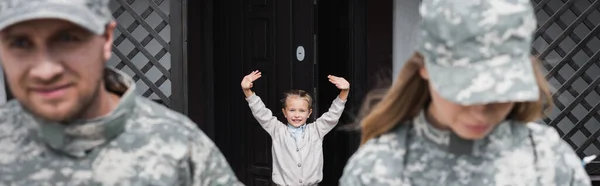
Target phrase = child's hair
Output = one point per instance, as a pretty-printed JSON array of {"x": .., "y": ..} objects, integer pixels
[{"x": 298, "y": 94}]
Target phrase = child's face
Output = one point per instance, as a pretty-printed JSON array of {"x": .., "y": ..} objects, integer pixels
[{"x": 296, "y": 111}]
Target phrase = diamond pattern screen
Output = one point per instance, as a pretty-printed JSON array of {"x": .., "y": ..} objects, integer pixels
[
  {"x": 141, "y": 45},
  {"x": 567, "y": 43}
]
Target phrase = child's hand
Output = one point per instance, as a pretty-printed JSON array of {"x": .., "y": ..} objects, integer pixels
[
  {"x": 248, "y": 79},
  {"x": 339, "y": 82}
]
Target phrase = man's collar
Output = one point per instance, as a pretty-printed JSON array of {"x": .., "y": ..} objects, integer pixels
[{"x": 80, "y": 136}]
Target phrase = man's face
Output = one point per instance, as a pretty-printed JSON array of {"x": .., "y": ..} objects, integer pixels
[{"x": 54, "y": 67}]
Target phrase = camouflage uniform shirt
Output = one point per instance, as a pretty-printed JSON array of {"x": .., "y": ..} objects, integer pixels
[
  {"x": 514, "y": 153},
  {"x": 138, "y": 143}
]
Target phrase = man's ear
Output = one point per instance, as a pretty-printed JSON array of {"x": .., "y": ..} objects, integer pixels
[
  {"x": 109, "y": 36},
  {"x": 533, "y": 59},
  {"x": 309, "y": 112},
  {"x": 423, "y": 72},
  {"x": 283, "y": 110}
]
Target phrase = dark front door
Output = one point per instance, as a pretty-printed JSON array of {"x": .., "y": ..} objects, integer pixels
[{"x": 275, "y": 37}]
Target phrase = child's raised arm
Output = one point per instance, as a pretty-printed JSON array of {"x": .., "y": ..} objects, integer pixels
[
  {"x": 261, "y": 113},
  {"x": 247, "y": 82},
  {"x": 331, "y": 118}
]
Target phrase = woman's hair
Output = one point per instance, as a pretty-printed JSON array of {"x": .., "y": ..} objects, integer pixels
[
  {"x": 296, "y": 94},
  {"x": 409, "y": 95}
]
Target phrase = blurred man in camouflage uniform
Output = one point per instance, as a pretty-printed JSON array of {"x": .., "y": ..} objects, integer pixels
[{"x": 76, "y": 121}]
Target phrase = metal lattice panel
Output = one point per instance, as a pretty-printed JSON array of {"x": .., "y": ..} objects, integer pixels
[
  {"x": 141, "y": 45},
  {"x": 568, "y": 44}
]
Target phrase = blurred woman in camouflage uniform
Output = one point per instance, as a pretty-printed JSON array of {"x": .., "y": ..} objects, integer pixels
[{"x": 462, "y": 109}]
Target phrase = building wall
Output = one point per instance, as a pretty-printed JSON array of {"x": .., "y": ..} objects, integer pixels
[{"x": 406, "y": 27}]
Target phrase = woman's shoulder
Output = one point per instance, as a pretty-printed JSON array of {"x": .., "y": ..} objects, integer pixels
[
  {"x": 546, "y": 137},
  {"x": 559, "y": 159},
  {"x": 380, "y": 157},
  {"x": 391, "y": 141},
  {"x": 543, "y": 131}
]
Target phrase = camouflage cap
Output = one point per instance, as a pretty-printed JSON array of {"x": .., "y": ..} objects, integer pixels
[
  {"x": 92, "y": 15},
  {"x": 478, "y": 51}
]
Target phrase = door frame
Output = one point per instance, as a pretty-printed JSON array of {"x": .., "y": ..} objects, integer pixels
[
  {"x": 200, "y": 105},
  {"x": 358, "y": 61},
  {"x": 178, "y": 51},
  {"x": 198, "y": 65}
]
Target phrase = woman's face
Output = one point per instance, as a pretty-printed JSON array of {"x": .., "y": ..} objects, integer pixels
[{"x": 468, "y": 122}]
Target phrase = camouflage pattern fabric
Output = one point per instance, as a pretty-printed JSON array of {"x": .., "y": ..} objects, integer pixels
[
  {"x": 92, "y": 15},
  {"x": 416, "y": 153},
  {"x": 478, "y": 51},
  {"x": 139, "y": 143}
]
